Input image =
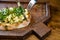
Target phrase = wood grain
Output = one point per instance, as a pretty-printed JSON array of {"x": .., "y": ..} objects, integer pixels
[{"x": 36, "y": 22}]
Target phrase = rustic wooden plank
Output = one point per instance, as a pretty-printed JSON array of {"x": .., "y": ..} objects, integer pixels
[
  {"x": 15, "y": 0},
  {"x": 40, "y": 12},
  {"x": 35, "y": 24},
  {"x": 39, "y": 1},
  {"x": 17, "y": 32},
  {"x": 41, "y": 29},
  {"x": 47, "y": 13},
  {"x": 4, "y": 5}
]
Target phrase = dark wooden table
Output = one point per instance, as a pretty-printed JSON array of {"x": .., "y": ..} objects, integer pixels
[{"x": 39, "y": 14}]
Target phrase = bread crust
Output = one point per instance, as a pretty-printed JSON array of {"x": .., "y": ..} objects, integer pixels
[{"x": 15, "y": 25}]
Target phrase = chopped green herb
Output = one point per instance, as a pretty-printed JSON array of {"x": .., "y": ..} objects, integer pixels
[{"x": 8, "y": 14}]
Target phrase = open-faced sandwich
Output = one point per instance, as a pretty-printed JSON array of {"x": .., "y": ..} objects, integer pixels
[{"x": 13, "y": 18}]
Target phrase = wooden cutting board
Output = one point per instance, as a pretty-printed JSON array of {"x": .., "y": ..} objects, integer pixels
[{"x": 39, "y": 14}]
